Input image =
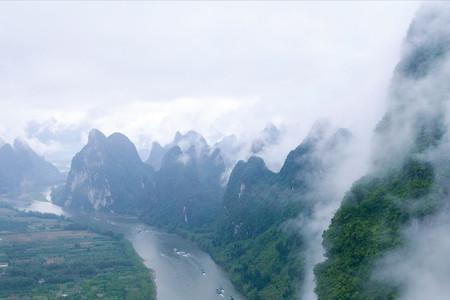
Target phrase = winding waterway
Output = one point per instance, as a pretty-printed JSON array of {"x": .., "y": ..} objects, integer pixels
[{"x": 181, "y": 270}]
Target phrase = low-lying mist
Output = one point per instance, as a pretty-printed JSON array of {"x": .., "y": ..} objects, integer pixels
[{"x": 348, "y": 162}]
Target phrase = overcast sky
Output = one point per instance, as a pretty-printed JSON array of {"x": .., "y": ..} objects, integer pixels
[{"x": 148, "y": 69}]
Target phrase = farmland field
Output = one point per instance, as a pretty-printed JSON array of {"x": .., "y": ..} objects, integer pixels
[{"x": 49, "y": 257}]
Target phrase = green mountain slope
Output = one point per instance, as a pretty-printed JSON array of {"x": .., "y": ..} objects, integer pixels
[{"x": 407, "y": 185}]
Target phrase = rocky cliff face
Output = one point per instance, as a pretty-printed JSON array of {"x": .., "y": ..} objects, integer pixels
[
  {"x": 180, "y": 185},
  {"x": 107, "y": 174}
]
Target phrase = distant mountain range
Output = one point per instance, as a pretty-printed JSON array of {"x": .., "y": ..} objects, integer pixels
[{"x": 21, "y": 169}]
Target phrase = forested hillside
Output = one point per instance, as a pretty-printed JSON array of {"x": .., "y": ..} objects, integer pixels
[{"x": 257, "y": 239}]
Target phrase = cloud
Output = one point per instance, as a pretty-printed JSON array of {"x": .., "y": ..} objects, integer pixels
[
  {"x": 151, "y": 68},
  {"x": 420, "y": 267},
  {"x": 345, "y": 163}
]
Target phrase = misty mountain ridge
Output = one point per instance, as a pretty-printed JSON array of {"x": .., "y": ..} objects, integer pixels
[
  {"x": 231, "y": 148},
  {"x": 302, "y": 169},
  {"x": 269, "y": 136},
  {"x": 191, "y": 142},
  {"x": 22, "y": 169}
]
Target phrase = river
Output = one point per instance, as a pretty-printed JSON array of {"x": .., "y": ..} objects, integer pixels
[{"x": 181, "y": 270}]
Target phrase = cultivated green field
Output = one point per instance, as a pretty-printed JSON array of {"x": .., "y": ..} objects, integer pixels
[{"x": 49, "y": 257}]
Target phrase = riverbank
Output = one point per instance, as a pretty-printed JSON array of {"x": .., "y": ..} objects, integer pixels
[{"x": 182, "y": 269}]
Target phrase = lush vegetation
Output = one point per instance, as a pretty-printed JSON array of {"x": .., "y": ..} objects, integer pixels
[
  {"x": 368, "y": 224},
  {"x": 47, "y": 257},
  {"x": 268, "y": 266}
]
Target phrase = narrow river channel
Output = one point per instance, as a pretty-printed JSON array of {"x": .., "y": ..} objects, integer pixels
[{"x": 181, "y": 269}]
